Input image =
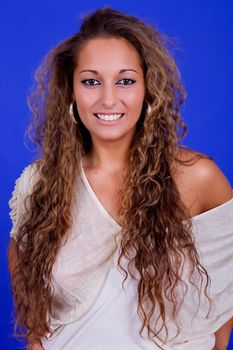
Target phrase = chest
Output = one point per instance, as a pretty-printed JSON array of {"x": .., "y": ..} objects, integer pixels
[{"x": 107, "y": 189}]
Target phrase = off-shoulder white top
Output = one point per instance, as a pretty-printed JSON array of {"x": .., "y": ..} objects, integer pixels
[{"x": 93, "y": 311}]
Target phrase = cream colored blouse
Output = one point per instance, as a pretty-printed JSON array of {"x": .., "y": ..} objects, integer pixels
[{"x": 93, "y": 311}]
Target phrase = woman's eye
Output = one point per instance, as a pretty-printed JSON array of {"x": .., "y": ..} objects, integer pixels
[
  {"x": 126, "y": 81},
  {"x": 90, "y": 82},
  {"x": 93, "y": 82}
]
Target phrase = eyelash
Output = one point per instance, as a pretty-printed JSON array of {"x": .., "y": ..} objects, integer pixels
[{"x": 87, "y": 82}]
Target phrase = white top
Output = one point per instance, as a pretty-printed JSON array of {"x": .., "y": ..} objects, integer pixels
[{"x": 92, "y": 309}]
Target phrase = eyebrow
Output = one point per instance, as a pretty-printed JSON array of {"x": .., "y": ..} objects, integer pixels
[{"x": 96, "y": 72}]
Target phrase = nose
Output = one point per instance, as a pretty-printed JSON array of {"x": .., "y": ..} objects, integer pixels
[{"x": 108, "y": 97}]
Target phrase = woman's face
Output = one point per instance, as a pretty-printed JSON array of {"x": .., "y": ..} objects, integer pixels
[{"x": 109, "y": 88}]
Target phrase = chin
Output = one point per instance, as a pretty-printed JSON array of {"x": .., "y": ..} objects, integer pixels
[{"x": 110, "y": 136}]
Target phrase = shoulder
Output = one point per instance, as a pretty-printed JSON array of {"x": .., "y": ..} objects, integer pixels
[
  {"x": 18, "y": 203},
  {"x": 28, "y": 177},
  {"x": 24, "y": 183},
  {"x": 199, "y": 174}
]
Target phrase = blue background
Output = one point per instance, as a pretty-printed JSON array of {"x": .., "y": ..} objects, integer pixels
[{"x": 203, "y": 33}]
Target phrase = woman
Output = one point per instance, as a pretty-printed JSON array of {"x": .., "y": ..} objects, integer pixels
[{"x": 120, "y": 236}]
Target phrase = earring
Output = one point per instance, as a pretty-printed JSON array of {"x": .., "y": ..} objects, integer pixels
[
  {"x": 148, "y": 109},
  {"x": 71, "y": 112}
]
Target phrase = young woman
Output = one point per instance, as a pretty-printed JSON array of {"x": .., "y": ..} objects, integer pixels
[{"x": 121, "y": 238}]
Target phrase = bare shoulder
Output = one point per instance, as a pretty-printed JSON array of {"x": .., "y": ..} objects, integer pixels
[{"x": 200, "y": 176}]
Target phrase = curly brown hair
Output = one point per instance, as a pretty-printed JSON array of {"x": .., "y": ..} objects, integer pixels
[{"x": 156, "y": 226}]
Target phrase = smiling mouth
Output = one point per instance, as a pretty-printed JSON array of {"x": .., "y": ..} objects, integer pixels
[{"x": 109, "y": 117}]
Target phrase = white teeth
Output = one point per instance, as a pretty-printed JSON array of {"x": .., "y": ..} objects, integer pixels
[{"x": 109, "y": 117}]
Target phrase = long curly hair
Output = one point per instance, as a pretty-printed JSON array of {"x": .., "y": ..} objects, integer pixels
[{"x": 156, "y": 226}]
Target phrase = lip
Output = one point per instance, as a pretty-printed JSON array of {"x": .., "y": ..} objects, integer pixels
[
  {"x": 109, "y": 113},
  {"x": 96, "y": 114},
  {"x": 108, "y": 122}
]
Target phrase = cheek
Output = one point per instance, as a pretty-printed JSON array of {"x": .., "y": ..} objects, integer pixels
[
  {"x": 135, "y": 99},
  {"x": 84, "y": 99},
  {"x": 81, "y": 99}
]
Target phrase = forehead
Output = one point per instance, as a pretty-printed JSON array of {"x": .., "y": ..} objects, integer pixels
[{"x": 116, "y": 52}]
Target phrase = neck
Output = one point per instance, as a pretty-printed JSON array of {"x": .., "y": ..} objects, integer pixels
[{"x": 109, "y": 155}]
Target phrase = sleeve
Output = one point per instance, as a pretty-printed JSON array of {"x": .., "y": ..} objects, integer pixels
[
  {"x": 214, "y": 241},
  {"x": 18, "y": 202}
]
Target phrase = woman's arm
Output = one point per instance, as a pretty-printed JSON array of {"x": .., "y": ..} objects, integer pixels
[
  {"x": 208, "y": 188},
  {"x": 223, "y": 335},
  {"x": 35, "y": 345},
  {"x": 34, "y": 342},
  {"x": 215, "y": 190}
]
